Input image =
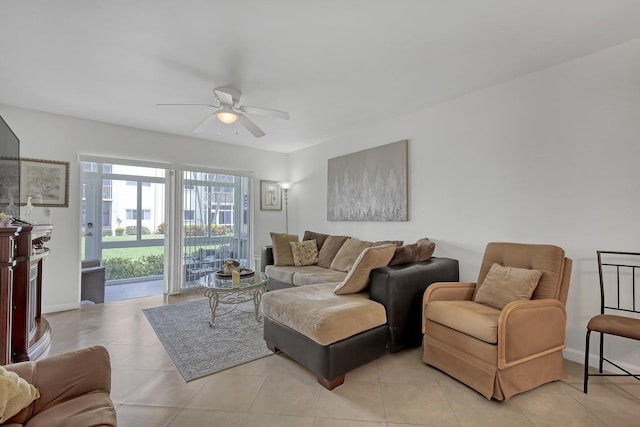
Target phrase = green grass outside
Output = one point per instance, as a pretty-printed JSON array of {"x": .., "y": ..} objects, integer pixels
[{"x": 135, "y": 253}]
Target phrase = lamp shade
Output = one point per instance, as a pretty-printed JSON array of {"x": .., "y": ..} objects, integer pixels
[{"x": 285, "y": 185}]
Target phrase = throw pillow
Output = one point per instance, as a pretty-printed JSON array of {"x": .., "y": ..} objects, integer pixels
[
  {"x": 358, "y": 278},
  {"x": 330, "y": 248},
  {"x": 304, "y": 253},
  {"x": 281, "y": 250},
  {"x": 387, "y": 242},
  {"x": 405, "y": 254},
  {"x": 318, "y": 237},
  {"x": 15, "y": 394},
  {"x": 425, "y": 249},
  {"x": 503, "y": 285},
  {"x": 348, "y": 254}
]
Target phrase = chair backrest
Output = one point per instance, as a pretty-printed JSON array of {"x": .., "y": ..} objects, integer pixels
[
  {"x": 549, "y": 259},
  {"x": 619, "y": 281}
]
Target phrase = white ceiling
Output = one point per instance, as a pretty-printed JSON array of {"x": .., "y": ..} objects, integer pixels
[{"x": 333, "y": 65}]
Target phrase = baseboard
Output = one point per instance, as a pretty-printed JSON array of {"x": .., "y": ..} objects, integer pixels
[
  {"x": 59, "y": 307},
  {"x": 578, "y": 357}
]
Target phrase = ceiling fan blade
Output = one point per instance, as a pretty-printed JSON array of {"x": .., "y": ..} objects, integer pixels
[
  {"x": 227, "y": 95},
  {"x": 205, "y": 123},
  {"x": 250, "y": 126},
  {"x": 265, "y": 112},
  {"x": 198, "y": 105}
]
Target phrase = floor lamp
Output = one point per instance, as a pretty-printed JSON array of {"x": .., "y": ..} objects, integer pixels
[{"x": 285, "y": 185}]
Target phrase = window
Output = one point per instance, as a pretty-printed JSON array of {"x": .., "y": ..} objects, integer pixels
[
  {"x": 133, "y": 214},
  {"x": 144, "y": 184},
  {"x": 189, "y": 215},
  {"x": 106, "y": 214}
]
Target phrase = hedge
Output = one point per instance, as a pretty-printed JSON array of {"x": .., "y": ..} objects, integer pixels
[{"x": 123, "y": 268}]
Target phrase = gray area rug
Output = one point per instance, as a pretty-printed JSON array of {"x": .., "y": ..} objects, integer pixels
[{"x": 199, "y": 350}]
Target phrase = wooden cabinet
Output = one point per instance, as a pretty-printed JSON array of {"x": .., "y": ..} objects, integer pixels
[
  {"x": 25, "y": 333},
  {"x": 7, "y": 263}
]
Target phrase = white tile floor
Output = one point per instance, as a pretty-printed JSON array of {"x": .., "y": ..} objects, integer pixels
[{"x": 396, "y": 390}]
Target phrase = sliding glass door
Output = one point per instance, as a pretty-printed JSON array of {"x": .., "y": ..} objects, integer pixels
[
  {"x": 216, "y": 223},
  {"x": 168, "y": 225},
  {"x": 123, "y": 222}
]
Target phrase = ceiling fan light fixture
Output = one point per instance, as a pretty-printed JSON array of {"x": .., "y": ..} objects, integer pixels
[{"x": 226, "y": 115}]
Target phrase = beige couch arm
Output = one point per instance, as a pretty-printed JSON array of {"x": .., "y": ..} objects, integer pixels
[
  {"x": 530, "y": 329},
  {"x": 446, "y": 291}
]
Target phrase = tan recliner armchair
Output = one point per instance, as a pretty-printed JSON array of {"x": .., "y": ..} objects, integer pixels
[
  {"x": 501, "y": 352},
  {"x": 74, "y": 390}
]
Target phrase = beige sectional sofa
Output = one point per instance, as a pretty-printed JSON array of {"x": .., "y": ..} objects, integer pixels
[
  {"x": 348, "y": 305},
  {"x": 336, "y": 255}
]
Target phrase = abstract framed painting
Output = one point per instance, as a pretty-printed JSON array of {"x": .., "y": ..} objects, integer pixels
[{"x": 369, "y": 185}]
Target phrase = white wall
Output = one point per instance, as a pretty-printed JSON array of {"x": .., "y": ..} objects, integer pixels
[
  {"x": 552, "y": 157},
  {"x": 54, "y": 137}
]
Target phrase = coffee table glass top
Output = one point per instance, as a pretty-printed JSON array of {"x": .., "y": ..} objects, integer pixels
[{"x": 225, "y": 283}]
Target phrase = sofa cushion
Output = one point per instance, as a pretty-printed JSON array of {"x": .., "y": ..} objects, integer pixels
[
  {"x": 281, "y": 273},
  {"x": 281, "y": 250},
  {"x": 318, "y": 237},
  {"x": 503, "y": 285},
  {"x": 15, "y": 394},
  {"x": 422, "y": 250},
  {"x": 358, "y": 278},
  {"x": 404, "y": 254},
  {"x": 348, "y": 253},
  {"x": 316, "y": 312},
  {"x": 304, "y": 253},
  {"x": 306, "y": 275},
  {"x": 477, "y": 320},
  {"x": 425, "y": 249},
  {"x": 329, "y": 250},
  {"x": 313, "y": 275},
  {"x": 388, "y": 242}
]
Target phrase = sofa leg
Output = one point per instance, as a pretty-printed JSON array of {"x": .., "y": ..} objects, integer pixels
[
  {"x": 331, "y": 384},
  {"x": 272, "y": 347}
]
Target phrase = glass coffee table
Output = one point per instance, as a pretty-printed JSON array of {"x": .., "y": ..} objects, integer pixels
[{"x": 221, "y": 290}]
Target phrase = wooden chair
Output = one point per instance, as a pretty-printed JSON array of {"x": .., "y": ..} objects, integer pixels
[{"x": 619, "y": 273}]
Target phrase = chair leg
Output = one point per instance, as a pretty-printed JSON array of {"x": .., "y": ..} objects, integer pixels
[
  {"x": 601, "y": 352},
  {"x": 586, "y": 362}
]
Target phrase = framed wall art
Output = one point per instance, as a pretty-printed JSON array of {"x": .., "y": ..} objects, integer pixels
[
  {"x": 270, "y": 196},
  {"x": 45, "y": 181},
  {"x": 369, "y": 185}
]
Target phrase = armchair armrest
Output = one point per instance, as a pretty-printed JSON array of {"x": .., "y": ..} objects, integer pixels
[
  {"x": 530, "y": 329},
  {"x": 449, "y": 291},
  {"x": 446, "y": 291}
]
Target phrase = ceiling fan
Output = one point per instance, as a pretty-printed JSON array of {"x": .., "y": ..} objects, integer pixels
[{"x": 228, "y": 110}]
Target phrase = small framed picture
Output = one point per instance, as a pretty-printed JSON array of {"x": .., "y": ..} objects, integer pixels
[
  {"x": 270, "y": 196},
  {"x": 45, "y": 181}
]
